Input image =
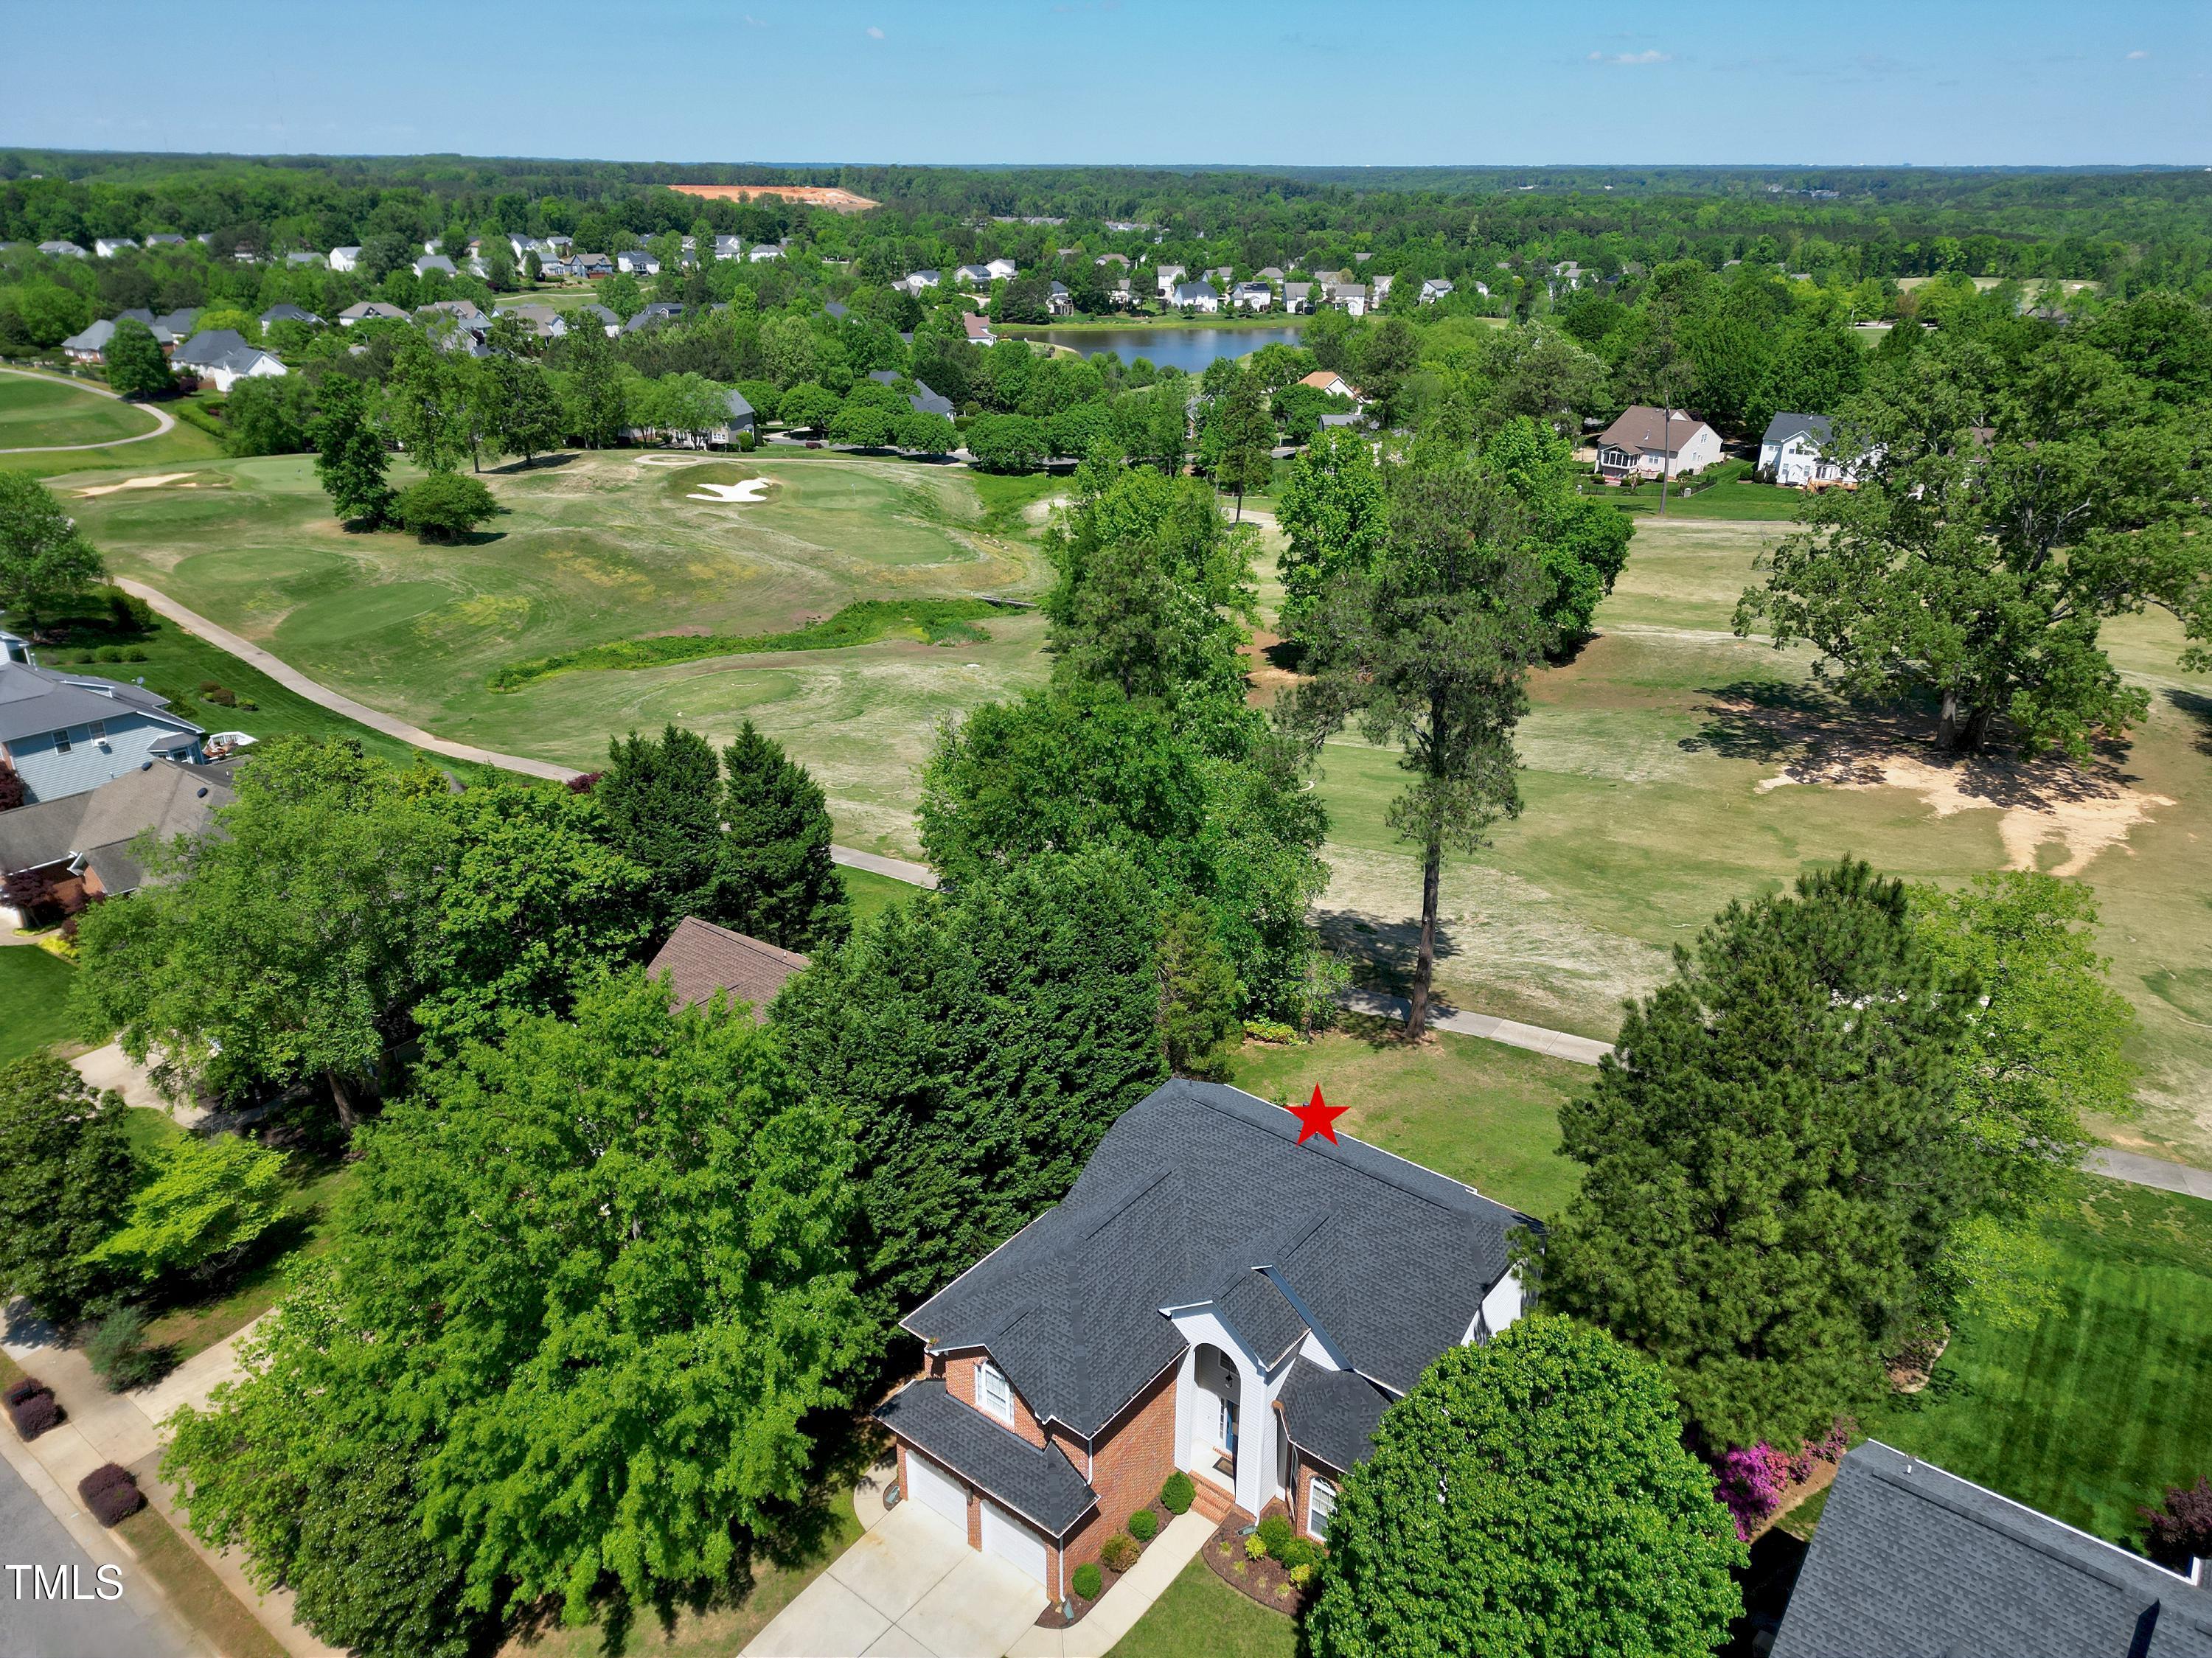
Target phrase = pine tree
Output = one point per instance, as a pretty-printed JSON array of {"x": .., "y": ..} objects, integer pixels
[
  {"x": 1774, "y": 1161},
  {"x": 775, "y": 880},
  {"x": 663, "y": 809},
  {"x": 350, "y": 456}
]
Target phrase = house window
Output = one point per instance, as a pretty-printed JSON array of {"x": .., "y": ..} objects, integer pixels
[
  {"x": 61, "y": 743},
  {"x": 1321, "y": 1504},
  {"x": 100, "y": 730},
  {"x": 992, "y": 1392}
]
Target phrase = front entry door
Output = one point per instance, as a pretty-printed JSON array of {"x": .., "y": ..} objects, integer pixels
[{"x": 1228, "y": 1440}]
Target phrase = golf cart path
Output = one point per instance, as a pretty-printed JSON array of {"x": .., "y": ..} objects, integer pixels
[
  {"x": 164, "y": 420},
  {"x": 898, "y": 869}
]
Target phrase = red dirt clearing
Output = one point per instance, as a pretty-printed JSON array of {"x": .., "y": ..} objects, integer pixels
[{"x": 828, "y": 195}]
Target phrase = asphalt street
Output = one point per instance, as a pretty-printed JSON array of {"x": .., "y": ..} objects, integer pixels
[{"x": 45, "y": 1619}]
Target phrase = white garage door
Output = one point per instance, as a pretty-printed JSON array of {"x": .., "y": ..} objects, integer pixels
[
  {"x": 936, "y": 1491},
  {"x": 1009, "y": 1539}
]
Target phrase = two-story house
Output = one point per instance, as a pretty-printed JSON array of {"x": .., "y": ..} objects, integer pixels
[
  {"x": 1646, "y": 442},
  {"x": 63, "y": 734},
  {"x": 1795, "y": 451},
  {"x": 1212, "y": 1297}
]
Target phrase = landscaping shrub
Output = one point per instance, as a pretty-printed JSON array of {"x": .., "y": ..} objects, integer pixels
[
  {"x": 1120, "y": 1551},
  {"x": 1144, "y": 1525},
  {"x": 35, "y": 1413},
  {"x": 2181, "y": 1530},
  {"x": 1300, "y": 1575},
  {"x": 1296, "y": 1552},
  {"x": 111, "y": 1493},
  {"x": 118, "y": 1354},
  {"x": 1749, "y": 1480},
  {"x": 445, "y": 506},
  {"x": 1275, "y": 1532},
  {"x": 1178, "y": 1494},
  {"x": 22, "y": 1390},
  {"x": 220, "y": 697},
  {"x": 1090, "y": 1581},
  {"x": 1255, "y": 1547}
]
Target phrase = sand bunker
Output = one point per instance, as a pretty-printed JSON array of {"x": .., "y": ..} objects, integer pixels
[
  {"x": 2085, "y": 812},
  {"x": 674, "y": 460},
  {"x": 154, "y": 482},
  {"x": 745, "y": 494}
]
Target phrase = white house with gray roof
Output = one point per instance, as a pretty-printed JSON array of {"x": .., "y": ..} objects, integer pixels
[
  {"x": 223, "y": 357},
  {"x": 65, "y": 734},
  {"x": 1212, "y": 1297}
]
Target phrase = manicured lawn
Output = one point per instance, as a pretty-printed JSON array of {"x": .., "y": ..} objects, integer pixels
[
  {"x": 1201, "y": 1616},
  {"x": 871, "y": 894},
  {"x": 200, "y": 1598},
  {"x": 2107, "y": 1400},
  {"x": 34, "y": 990},
  {"x": 1478, "y": 1111},
  {"x": 1739, "y": 499},
  {"x": 50, "y": 411},
  {"x": 715, "y": 1631}
]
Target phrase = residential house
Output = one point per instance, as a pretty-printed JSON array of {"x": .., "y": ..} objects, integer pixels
[
  {"x": 637, "y": 263},
  {"x": 84, "y": 844},
  {"x": 63, "y": 250},
  {"x": 276, "y": 313},
  {"x": 1123, "y": 294},
  {"x": 1346, "y": 417},
  {"x": 1221, "y": 276},
  {"x": 1910, "y": 1562},
  {"x": 1252, "y": 296},
  {"x": 914, "y": 281},
  {"x": 306, "y": 258},
  {"x": 1348, "y": 296},
  {"x": 609, "y": 322},
  {"x": 1168, "y": 275},
  {"x": 1331, "y": 383},
  {"x": 659, "y": 312},
  {"x": 540, "y": 322},
  {"x": 836, "y": 310},
  {"x": 591, "y": 267},
  {"x": 1002, "y": 271},
  {"x": 1792, "y": 452},
  {"x": 1058, "y": 301},
  {"x": 1121, "y": 259},
  {"x": 1297, "y": 297},
  {"x": 107, "y": 247},
  {"x": 703, "y": 961},
  {"x": 429, "y": 262},
  {"x": 1435, "y": 288},
  {"x": 221, "y": 357},
  {"x": 346, "y": 259},
  {"x": 1647, "y": 443},
  {"x": 977, "y": 328},
  {"x": 1380, "y": 290},
  {"x": 65, "y": 734},
  {"x": 973, "y": 275},
  {"x": 921, "y": 399},
  {"x": 762, "y": 250},
  {"x": 173, "y": 328},
  {"x": 370, "y": 310},
  {"x": 729, "y": 247},
  {"x": 1212, "y": 1297},
  {"x": 89, "y": 344},
  {"x": 1569, "y": 275},
  {"x": 1268, "y": 273},
  {"x": 165, "y": 239},
  {"x": 1196, "y": 296}
]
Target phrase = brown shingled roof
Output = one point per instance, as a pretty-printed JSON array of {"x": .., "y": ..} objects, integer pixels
[
  {"x": 703, "y": 958},
  {"x": 1643, "y": 430}
]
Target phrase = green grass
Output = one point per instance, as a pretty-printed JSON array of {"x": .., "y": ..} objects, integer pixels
[
  {"x": 1478, "y": 1111},
  {"x": 1201, "y": 1616},
  {"x": 190, "y": 1584},
  {"x": 871, "y": 894},
  {"x": 52, "y": 411},
  {"x": 2105, "y": 1401},
  {"x": 34, "y": 989},
  {"x": 1739, "y": 499},
  {"x": 928, "y": 621}
]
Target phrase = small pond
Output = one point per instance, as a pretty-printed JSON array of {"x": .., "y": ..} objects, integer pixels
[{"x": 1187, "y": 348}]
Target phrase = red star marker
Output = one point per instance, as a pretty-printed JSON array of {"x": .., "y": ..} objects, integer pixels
[{"x": 1315, "y": 1117}]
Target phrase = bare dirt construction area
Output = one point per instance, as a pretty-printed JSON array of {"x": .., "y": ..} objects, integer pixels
[{"x": 829, "y": 196}]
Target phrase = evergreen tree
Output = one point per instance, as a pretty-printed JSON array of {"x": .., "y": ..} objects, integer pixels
[
  {"x": 775, "y": 880},
  {"x": 137, "y": 366},
  {"x": 65, "y": 1179},
  {"x": 979, "y": 1042},
  {"x": 662, "y": 807},
  {"x": 1530, "y": 1498},
  {"x": 351, "y": 458},
  {"x": 1772, "y": 1159}
]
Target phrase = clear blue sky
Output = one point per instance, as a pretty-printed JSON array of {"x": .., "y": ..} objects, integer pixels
[{"x": 1347, "y": 83}]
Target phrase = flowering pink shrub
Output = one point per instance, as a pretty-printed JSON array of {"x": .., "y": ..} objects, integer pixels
[
  {"x": 1749, "y": 1482},
  {"x": 1828, "y": 1447}
]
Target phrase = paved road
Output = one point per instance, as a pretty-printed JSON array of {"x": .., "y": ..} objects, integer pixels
[
  {"x": 34, "y": 1626},
  {"x": 163, "y": 419},
  {"x": 899, "y": 869}
]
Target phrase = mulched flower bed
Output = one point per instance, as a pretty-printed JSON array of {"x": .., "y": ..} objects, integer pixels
[
  {"x": 1263, "y": 1582},
  {"x": 1050, "y": 1618}
]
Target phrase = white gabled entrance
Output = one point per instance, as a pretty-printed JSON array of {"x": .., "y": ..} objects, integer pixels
[
  {"x": 936, "y": 1491},
  {"x": 1012, "y": 1541}
]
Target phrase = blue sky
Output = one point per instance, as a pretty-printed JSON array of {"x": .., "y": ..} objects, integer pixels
[{"x": 1348, "y": 83}]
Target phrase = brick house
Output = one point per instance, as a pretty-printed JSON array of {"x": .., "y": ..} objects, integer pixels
[{"x": 1211, "y": 1297}]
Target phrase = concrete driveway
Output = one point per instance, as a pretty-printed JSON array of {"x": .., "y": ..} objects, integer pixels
[{"x": 911, "y": 1588}]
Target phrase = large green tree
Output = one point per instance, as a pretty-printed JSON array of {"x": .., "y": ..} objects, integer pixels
[
  {"x": 137, "y": 366},
  {"x": 979, "y": 1043},
  {"x": 1530, "y": 1497},
  {"x": 351, "y": 456},
  {"x": 1580, "y": 544},
  {"x": 662, "y": 801},
  {"x": 775, "y": 879},
  {"x": 1428, "y": 648},
  {"x": 65, "y": 1179},
  {"x": 1772, "y": 1158},
  {"x": 46, "y": 563},
  {"x": 1240, "y": 435},
  {"x": 2014, "y": 493},
  {"x": 1334, "y": 510}
]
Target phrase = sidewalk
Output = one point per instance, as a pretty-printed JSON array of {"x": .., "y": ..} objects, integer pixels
[
  {"x": 1129, "y": 1600},
  {"x": 104, "y": 1427}
]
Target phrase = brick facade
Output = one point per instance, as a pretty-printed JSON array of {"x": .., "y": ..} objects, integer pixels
[
  {"x": 959, "y": 1374},
  {"x": 1302, "y": 1491},
  {"x": 1131, "y": 1461}
]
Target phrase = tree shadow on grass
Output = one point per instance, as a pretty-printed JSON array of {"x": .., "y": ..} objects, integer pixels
[
  {"x": 1382, "y": 954},
  {"x": 522, "y": 468},
  {"x": 2198, "y": 708}
]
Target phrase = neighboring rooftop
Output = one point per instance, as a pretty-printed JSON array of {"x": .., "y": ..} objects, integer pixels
[
  {"x": 35, "y": 701},
  {"x": 1782, "y": 428},
  {"x": 703, "y": 959},
  {"x": 96, "y": 829},
  {"x": 1910, "y": 1562}
]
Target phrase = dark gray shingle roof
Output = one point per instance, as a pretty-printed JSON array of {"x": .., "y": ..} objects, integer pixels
[
  {"x": 1782, "y": 428},
  {"x": 921, "y": 399},
  {"x": 1331, "y": 1415},
  {"x": 1038, "y": 1482},
  {"x": 1910, "y": 1562},
  {"x": 1193, "y": 1190},
  {"x": 99, "y": 824},
  {"x": 35, "y": 701}
]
